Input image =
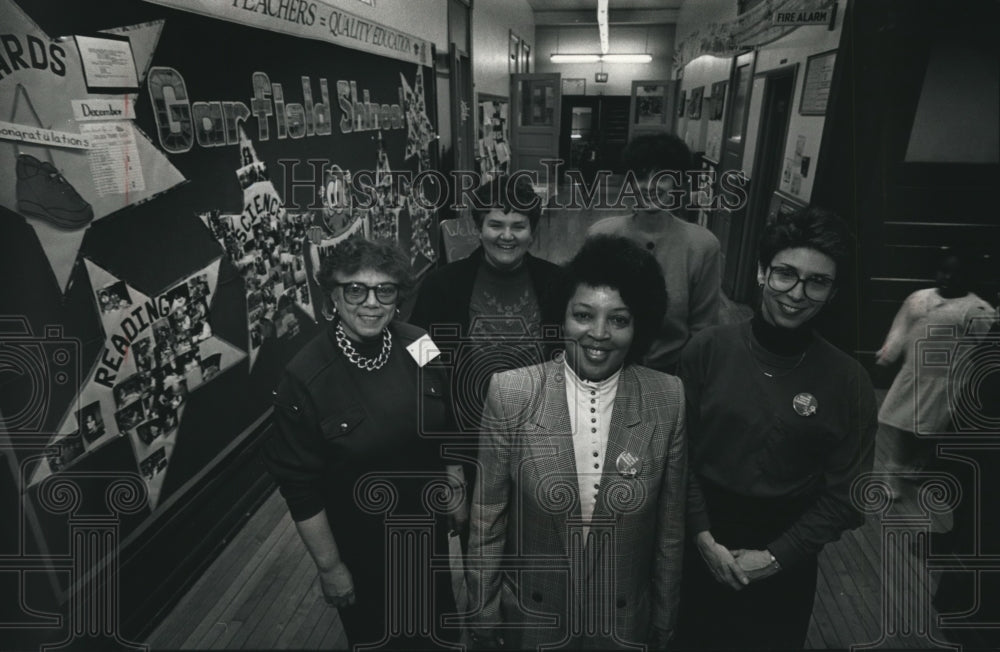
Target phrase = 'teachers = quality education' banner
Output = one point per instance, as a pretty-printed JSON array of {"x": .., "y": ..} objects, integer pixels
[{"x": 316, "y": 20}]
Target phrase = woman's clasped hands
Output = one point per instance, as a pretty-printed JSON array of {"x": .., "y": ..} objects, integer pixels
[{"x": 735, "y": 568}]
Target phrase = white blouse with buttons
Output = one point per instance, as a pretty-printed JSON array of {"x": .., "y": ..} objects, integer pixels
[{"x": 590, "y": 405}]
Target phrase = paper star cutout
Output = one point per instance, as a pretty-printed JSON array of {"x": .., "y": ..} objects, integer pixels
[
  {"x": 419, "y": 131},
  {"x": 265, "y": 242},
  {"x": 61, "y": 190},
  {"x": 157, "y": 350}
]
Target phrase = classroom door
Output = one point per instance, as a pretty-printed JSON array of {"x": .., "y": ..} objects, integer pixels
[{"x": 534, "y": 129}]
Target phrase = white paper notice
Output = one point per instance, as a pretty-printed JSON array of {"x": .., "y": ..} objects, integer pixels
[
  {"x": 107, "y": 62},
  {"x": 423, "y": 350},
  {"x": 114, "y": 158},
  {"x": 112, "y": 108}
]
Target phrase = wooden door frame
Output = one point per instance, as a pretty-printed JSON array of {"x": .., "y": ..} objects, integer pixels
[
  {"x": 727, "y": 127},
  {"x": 593, "y": 101},
  {"x": 516, "y": 133},
  {"x": 755, "y": 215},
  {"x": 731, "y": 158}
]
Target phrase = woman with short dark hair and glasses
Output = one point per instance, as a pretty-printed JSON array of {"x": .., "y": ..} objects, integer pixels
[
  {"x": 349, "y": 409},
  {"x": 780, "y": 423}
]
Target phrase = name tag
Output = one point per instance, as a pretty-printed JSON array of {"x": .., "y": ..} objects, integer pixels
[{"x": 423, "y": 350}]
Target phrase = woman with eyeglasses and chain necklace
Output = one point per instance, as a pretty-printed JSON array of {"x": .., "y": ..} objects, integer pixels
[
  {"x": 348, "y": 453},
  {"x": 780, "y": 423}
]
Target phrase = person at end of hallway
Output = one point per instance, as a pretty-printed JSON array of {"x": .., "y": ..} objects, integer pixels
[
  {"x": 917, "y": 404},
  {"x": 689, "y": 254}
]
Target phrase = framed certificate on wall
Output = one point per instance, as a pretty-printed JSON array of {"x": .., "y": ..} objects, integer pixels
[{"x": 816, "y": 87}]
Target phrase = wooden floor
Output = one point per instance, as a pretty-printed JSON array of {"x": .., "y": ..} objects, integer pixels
[{"x": 262, "y": 593}]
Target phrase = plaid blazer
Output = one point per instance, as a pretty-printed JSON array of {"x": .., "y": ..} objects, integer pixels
[{"x": 533, "y": 578}]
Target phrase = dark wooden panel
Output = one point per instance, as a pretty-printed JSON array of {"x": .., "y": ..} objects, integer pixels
[
  {"x": 945, "y": 175},
  {"x": 968, "y": 234},
  {"x": 975, "y": 204},
  {"x": 907, "y": 261}
]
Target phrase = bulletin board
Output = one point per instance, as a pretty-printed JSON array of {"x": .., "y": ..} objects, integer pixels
[
  {"x": 493, "y": 142},
  {"x": 170, "y": 181}
]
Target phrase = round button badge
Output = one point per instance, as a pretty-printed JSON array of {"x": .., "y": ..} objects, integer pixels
[
  {"x": 805, "y": 404},
  {"x": 628, "y": 465}
]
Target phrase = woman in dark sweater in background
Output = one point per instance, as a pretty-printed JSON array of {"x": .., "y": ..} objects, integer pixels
[
  {"x": 780, "y": 423},
  {"x": 484, "y": 311}
]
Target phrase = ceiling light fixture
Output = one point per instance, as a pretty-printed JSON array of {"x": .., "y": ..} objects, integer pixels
[
  {"x": 627, "y": 58},
  {"x": 605, "y": 58},
  {"x": 574, "y": 58}
]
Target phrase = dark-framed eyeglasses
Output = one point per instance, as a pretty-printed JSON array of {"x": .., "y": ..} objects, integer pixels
[
  {"x": 784, "y": 279},
  {"x": 356, "y": 293}
]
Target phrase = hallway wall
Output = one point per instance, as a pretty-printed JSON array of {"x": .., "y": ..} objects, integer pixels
[
  {"x": 791, "y": 49},
  {"x": 492, "y": 22}
]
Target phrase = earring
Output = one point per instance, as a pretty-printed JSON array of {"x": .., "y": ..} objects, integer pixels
[{"x": 329, "y": 313}]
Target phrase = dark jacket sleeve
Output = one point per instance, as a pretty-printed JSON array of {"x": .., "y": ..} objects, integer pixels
[
  {"x": 833, "y": 512},
  {"x": 691, "y": 372},
  {"x": 294, "y": 452}
]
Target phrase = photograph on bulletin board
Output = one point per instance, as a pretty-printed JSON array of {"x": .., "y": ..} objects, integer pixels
[
  {"x": 493, "y": 143},
  {"x": 694, "y": 104}
]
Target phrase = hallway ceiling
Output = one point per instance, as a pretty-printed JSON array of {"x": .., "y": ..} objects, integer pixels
[{"x": 579, "y": 5}]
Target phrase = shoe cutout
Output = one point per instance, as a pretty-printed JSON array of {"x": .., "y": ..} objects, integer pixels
[{"x": 44, "y": 193}]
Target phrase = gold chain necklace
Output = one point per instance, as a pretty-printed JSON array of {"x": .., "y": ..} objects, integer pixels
[{"x": 361, "y": 362}]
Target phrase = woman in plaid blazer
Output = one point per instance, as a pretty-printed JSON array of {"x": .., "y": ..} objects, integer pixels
[{"x": 578, "y": 513}]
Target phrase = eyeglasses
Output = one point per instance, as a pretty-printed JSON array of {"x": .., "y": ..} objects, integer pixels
[
  {"x": 784, "y": 279},
  {"x": 356, "y": 293}
]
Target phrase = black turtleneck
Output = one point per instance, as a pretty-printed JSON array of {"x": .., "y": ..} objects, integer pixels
[
  {"x": 746, "y": 435},
  {"x": 779, "y": 340}
]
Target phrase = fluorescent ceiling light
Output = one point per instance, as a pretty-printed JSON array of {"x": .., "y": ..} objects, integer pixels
[
  {"x": 627, "y": 58},
  {"x": 574, "y": 58},
  {"x": 595, "y": 58}
]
